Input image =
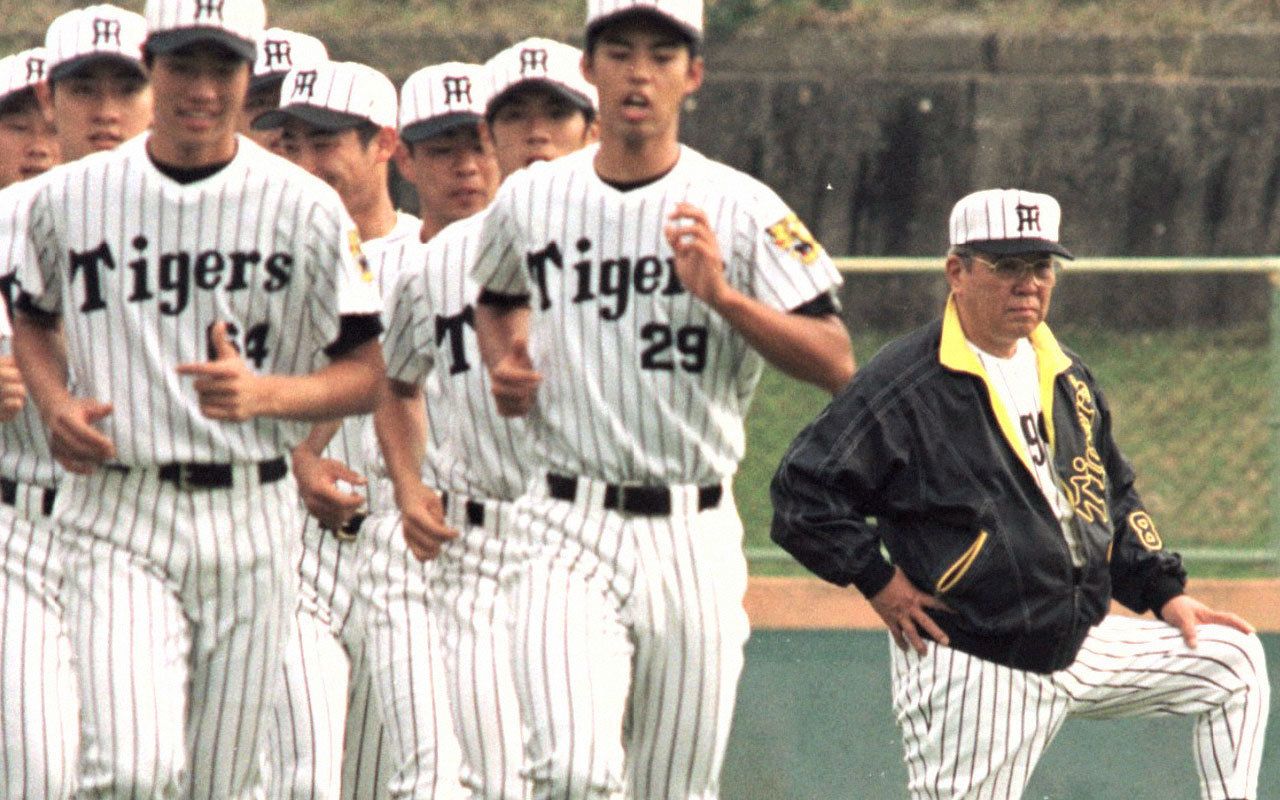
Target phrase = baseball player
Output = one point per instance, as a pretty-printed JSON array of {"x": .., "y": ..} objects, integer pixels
[
  {"x": 440, "y": 112},
  {"x": 98, "y": 93},
  {"x": 337, "y": 120},
  {"x": 279, "y": 51},
  {"x": 444, "y": 157},
  {"x": 985, "y": 454},
  {"x": 540, "y": 108},
  {"x": 628, "y": 295},
  {"x": 27, "y": 144},
  {"x": 213, "y": 299}
]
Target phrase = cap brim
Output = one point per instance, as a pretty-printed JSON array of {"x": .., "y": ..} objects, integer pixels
[
  {"x": 79, "y": 64},
  {"x": 577, "y": 98},
  {"x": 1013, "y": 247},
  {"x": 688, "y": 31},
  {"x": 269, "y": 81},
  {"x": 425, "y": 129},
  {"x": 163, "y": 42},
  {"x": 323, "y": 118}
]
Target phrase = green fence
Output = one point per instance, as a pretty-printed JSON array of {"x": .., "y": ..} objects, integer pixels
[{"x": 1198, "y": 413}]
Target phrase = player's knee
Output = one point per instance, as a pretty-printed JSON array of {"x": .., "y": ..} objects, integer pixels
[
  {"x": 157, "y": 777},
  {"x": 1241, "y": 655}
]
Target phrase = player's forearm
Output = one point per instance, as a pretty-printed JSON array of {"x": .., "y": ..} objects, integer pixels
[
  {"x": 345, "y": 386},
  {"x": 497, "y": 327},
  {"x": 400, "y": 421},
  {"x": 816, "y": 350},
  {"x": 42, "y": 357},
  {"x": 321, "y": 434}
]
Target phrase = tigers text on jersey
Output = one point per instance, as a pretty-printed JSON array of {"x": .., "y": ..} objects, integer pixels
[
  {"x": 431, "y": 331},
  {"x": 140, "y": 267},
  {"x": 24, "y": 445},
  {"x": 641, "y": 381}
]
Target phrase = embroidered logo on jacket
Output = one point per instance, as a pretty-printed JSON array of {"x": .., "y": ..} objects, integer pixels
[
  {"x": 1086, "y": 486},
  {"x": 1144, "y": 528}
]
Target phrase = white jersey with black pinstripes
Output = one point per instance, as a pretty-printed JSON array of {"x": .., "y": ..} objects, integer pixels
[
  {"x": 24, "y": 446},
  {"x": 431, "y": 332},
  {"x": 642, "y": 382},
  {"x": 351, "y": 445},
  {"x": 140, "y": 266}
]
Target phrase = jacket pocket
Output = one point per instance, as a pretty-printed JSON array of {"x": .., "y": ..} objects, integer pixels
[{"x": 961, "y": 565}]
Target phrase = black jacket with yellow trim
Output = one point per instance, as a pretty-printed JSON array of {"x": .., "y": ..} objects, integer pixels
[{"x": 916, "y": 454}]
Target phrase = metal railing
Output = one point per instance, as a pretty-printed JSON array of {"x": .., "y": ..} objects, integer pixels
[{"x": 1264, "y": 556}]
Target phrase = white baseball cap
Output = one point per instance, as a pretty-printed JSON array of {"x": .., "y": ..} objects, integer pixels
[
  {"x": 334, "y": 96},
  {"x": 22, "y": 71},
  {"x": 1008, "y": 221},
  {"x": 91, "y": 34},
  {"x": 234, "y": 24},
  {"x": 281, "y": 50},
  {"x": 539, "y": 62},
  {"x": 686, "y": 15},
  {"x": 439, "y": 98}
]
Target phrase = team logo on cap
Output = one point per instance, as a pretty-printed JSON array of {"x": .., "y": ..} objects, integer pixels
[
  {"x": 277, "y": 52},
  {"x": 209, "y": 9},
  {"x": 791, "y": 235},
  {"x": 1028, "y": 218},
  {"x": 457, "y": 89},
  {"x": 106, "y": 31},
  {"x": 35, "y": 69},
  {"x": 304, "y": 83},
  {"x": 533, "y": 59}
]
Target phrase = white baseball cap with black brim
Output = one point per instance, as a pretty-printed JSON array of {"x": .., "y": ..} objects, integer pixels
[
  {"x": 87, "y": 36},
  {"x": 539, "y": 62},
  {"x": 280, "y": 50},
  {"x": 441, "y": 98},
  {"x": 21, "y": 72},
  {"x": 684, "y": 15},
  {"x": 1005, "y": 222},
  {"x": 333, "y": 96},
  {"x": 234, "y": 24}
]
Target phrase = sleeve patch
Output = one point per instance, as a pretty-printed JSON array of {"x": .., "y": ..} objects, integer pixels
[
  {"x": 1144, "y": 528},
  {"x": 357, "y": 254},
  {"x": 791, "y": 235}
]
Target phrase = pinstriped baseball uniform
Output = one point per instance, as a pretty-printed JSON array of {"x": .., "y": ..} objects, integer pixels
[
  {"x": 635, "y": 617},
  {"x": 478, "y": 459},
  {"x": 324, "y": 666},
  {"x": 177, "y": 598},
  {"x": 39, "y": 716}
]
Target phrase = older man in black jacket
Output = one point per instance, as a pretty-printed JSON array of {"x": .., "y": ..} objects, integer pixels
[{"x": 978, "y": 454}]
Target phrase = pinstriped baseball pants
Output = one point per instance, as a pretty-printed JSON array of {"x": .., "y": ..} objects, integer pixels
[
  {"x": 326, "y": 739},
  {"x": 472, "y": 582},
  {"x": 39, "y": 718},
  {"x": 629, "y": 643},
  {"x": 973, "y": 729},
  {"x": 177, "y": 602},
  {"x": 402, "y": 648}
]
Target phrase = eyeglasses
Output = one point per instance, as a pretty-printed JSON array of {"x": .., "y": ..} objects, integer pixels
[{"x": 1013, "y": 269}]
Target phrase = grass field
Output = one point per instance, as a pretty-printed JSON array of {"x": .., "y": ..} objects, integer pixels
[{"x": 1190, "y": 409}]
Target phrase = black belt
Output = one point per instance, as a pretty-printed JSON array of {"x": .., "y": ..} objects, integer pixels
[
  {"x": 9, "y": 496},
  {"x": 198, "y": 475},
  {"x": 652, "y": 501},
  {"x": 475, "y": 510}
]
